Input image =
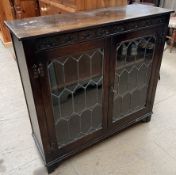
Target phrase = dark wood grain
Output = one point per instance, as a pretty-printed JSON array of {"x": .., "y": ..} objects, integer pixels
[{"x": 33, "y": 27}]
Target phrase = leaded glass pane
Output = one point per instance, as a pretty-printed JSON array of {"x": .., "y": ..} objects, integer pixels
[
  {"x": 75, "y": 126},
  {"x": 132, "y": 74},
  {"x": 76, "y": 83}
]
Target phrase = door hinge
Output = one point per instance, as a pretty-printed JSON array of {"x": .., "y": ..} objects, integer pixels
[{"x": 38, "y": 70}]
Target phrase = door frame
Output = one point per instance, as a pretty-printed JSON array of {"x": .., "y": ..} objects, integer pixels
[
  {"x": 147, "y": 111},
  {"x": 48, "y": 55}
]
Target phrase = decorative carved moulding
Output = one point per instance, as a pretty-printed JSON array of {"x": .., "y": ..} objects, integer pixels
[{"x": 88, "y": 34}]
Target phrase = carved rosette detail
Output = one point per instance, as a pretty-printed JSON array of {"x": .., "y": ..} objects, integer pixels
[{"x": 100, "y": 32}]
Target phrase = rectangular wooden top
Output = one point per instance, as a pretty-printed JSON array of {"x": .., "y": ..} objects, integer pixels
[{"x": 44, "y": 25}]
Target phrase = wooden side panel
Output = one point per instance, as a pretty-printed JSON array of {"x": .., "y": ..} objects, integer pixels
[{"x": 27, "y": 90}]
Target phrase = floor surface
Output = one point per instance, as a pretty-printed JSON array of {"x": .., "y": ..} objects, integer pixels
[{"x": 144, "y": 149}]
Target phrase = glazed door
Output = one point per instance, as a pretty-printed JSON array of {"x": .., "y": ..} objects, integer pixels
[
  {"x": 74, "y": 88},
  {"x": 134, "y": 64}
]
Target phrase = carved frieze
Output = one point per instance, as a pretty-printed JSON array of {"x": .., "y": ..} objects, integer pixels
[{"x": 98, "y": 32}]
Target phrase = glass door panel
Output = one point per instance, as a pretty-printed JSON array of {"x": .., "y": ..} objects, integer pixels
[
  {"x": 133, "y": 65},
  {"x": 76, "y": 88}
]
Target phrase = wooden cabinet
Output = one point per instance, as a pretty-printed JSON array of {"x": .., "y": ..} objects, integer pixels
[
  {"x": 53, "y": 7},
  {"x": 49, "y": 7},
  {"x": 88, "y": 75},
  {"x": 25, "y": 8},
  {"x": 5, "y": 14},
  {"x": 15, "y": 9}
]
